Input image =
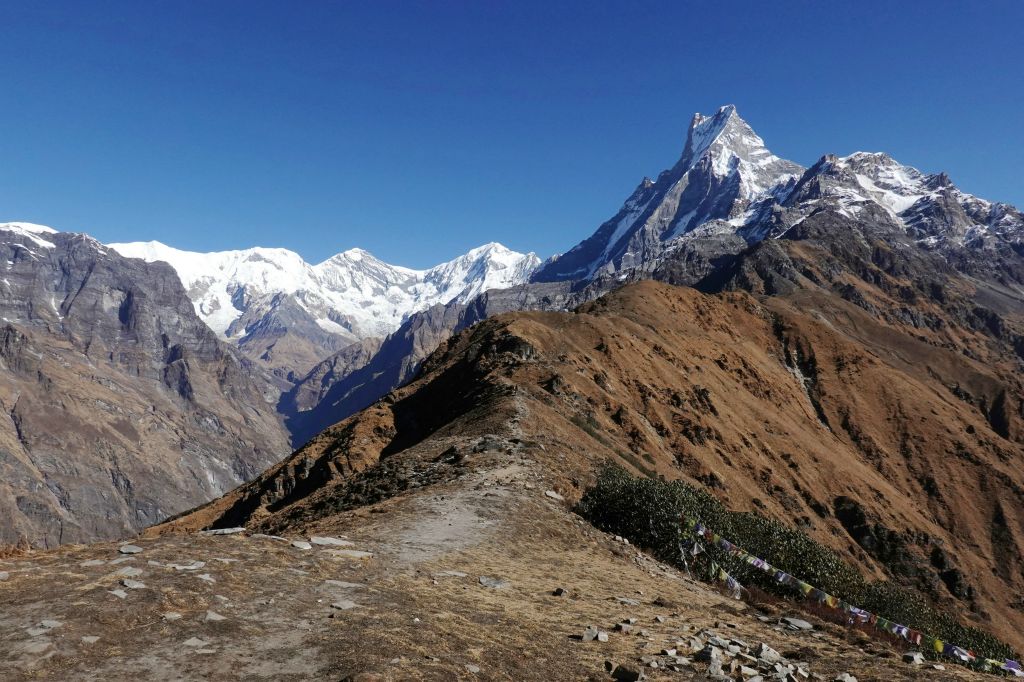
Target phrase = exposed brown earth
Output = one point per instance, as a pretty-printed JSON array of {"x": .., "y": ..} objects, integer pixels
[
  {"x": 415, "y": 610},
  {"x": 804, "y": 407}
]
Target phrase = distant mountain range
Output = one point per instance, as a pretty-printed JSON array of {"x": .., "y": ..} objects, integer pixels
[{"x": 258, "y": 347}]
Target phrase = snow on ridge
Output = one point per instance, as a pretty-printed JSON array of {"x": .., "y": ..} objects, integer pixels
[
  {"x": 30, "y": 231},
  {"x": 352, "y": 293}
]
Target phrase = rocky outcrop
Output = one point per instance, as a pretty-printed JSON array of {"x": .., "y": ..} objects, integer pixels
[{"x": 120, "y": 406}]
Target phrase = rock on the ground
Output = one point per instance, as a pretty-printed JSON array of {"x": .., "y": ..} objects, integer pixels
[
  {"x": 797, "y": 624},
  {"x": 213, "y": 617},
  {"x": 495, "y": 583},
  {"x": 349, "y": 554},
  {"x": 344, "y": 605},
  {"x": 195, "y": 642},
  {"x": 90, "y": 639},
  {"x": 325, "y": 541},
  {"x": 301, "y": 544},
  {"x": 119, "y": 593},
  {"x": 913, "y": 657},
  {"x": 223, "y": 531},
  {"x": 130, "y": 572},
  {"x": 129, "y": 549},
  {"x": 554, "y": 496},
  {"x": 133, "y": 584}
]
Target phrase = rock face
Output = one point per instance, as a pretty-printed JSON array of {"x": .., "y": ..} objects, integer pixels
[
  {"x": 121, "y": 407},
  {"x": 788, "y": 403}
]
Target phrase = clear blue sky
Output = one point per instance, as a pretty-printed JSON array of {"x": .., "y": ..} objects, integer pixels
[{"x": 417, "y": 131}]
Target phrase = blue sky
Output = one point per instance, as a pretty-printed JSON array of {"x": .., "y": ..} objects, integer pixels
[{"x": 419, "y": 130}]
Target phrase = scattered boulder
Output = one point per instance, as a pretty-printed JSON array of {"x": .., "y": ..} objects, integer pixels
[
  {"x": 195, "y": 642},
  {"x": 133, "y": 584},
  {"x": 560, "y": 592},
  {"x": 213, "y": 617},
  {"x": 554, "y": 496},
  {"x": 494, "y": 583},
  {"x": 474, "y": 669},
  {"x": 4, "y": 575},
  {"x": 206, "y": 577},
  {"x": 913, "y": 657},
  {"x": 119, "y": 593},
  {"x": 845, "y": 677},
  {"x": 130, "y": 572},
  {"x": 591, "y": 634},
  {"x": 90, "y": 639},
  {"x": 172, "y": 615},
  {"x": 301, "y": 544},
  {"x": 344, "y": 605},
  {"x": 129, "y": 549}
]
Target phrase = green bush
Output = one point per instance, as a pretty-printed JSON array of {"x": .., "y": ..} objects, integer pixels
[{"x": 649, "y": 512}]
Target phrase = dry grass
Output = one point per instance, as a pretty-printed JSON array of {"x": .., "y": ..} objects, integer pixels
[{"x": 17, "y": 549}]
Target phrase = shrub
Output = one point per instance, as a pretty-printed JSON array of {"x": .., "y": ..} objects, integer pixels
[{"x": 649, "y": 512}]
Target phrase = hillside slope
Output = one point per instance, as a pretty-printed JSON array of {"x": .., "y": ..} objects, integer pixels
[
  {"x": 902, "y": 454},
  {"x": 120, "y": 407}
]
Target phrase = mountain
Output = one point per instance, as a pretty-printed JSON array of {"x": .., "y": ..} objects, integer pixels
[
  {"x": 289, "y": 314},
  {"x": 120, "y": 406},
  {"x": 902, "y": 453},
  {"x": 726, "y": 195},
  {"x": 724, "y": 169},
  {"x": 727, "y": 191}
]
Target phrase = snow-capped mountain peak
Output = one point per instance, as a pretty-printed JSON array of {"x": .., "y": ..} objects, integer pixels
[
  {"x": 352, "y": 294},
  {"x": 724, "y": 168}
]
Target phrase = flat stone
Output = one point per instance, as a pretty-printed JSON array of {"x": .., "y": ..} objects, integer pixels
[
  {"x": 348, "y": 554},
  {"x": 450, "y": 574},
  {"x": 659, "y": 619},
  {"x": 38, "y": 646},
  {"x": 206, "y": 651},
  {"x": 668, "y": 652},
  {"x": 190, "y": 566},
  {"x": 343, "y": 585},
  {"x": 206, "y": 577},
  {"x": 494, "y": 583},
  {"x": 120, "y": 594},
  {"x": 129, "y": 549},
  {"x": 845, "y": 677},
  {"x": 213, "y": 617},
  {"x": 797, "y": 624},
  {"x": 154, "y": 563},
  {"x": 93, "y": 562},
  {"x": 344, "y": 605},
  {"x": 624, "y": 628},
  {"x": 121, "y": 560},
  {"x": 553, "y": 495},
  {"x": 35, "y": 632},
  {"x": 627, "y": 601},
  {"x": 130, "y": 572},
  {"x": 474, "y": 669},
  {"x": 225, "y": 560},
  {"x": 326, "y": 541},
  {"x": 194, "y": 642},
  {"x": 90, "y": 639},
  {"x": 223, "y": 531},
  {"x": 264, "y": 536},
  {"x": 171, "y": 615},
  {"x": 4, "y": 575},
  {"x": 301, "y": 544},
  {"x": 133, "y": 584},
  {"x": 591, "y": 633}
]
